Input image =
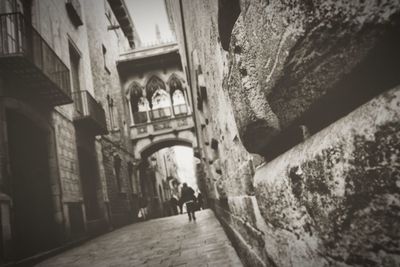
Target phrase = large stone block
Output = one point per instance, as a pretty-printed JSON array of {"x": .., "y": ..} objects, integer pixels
[
  {"x": 338, "y": 193},
  {"x": 285, "y": 56}
]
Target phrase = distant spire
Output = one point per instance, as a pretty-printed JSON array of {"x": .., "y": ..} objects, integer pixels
[{"x": 158, "y": 34}]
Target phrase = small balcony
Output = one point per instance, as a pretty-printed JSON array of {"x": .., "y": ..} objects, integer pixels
[
  {"x": 167, "y": 125},
  {"x": 90, "y": 114},
  {"x": 30, "y": 63}
]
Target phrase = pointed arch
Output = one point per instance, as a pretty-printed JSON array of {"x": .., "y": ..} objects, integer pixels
[
  {"x": 153, "y": 84},
  {"x": 160, "y": 99},
  {"x": 134, "y": 93},
  {"x": 178, "y": 98},
  {"x": 175, "y": 83}
]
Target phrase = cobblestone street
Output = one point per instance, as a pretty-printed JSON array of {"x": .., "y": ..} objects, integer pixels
[{"x": 171, "y": 241}]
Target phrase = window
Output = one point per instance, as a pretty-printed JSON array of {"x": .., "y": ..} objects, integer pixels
[
  {"x": 179, "y": 103},
  {"x": 152, "y": 86},
  {"x": 104, "y": 50},
  {"x": 74, "y": 12},
  {"x": 112, "y": 113},
  {"x": 161, "y": 103},
  {"x": 75, "y": 59}
]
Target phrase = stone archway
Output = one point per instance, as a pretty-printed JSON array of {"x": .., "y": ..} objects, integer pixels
[{"x": 163, "y": 143}]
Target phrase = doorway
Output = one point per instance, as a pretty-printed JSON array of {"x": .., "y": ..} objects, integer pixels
[
  {"x": 33, "y": 222},
  {"x": 89, "y": 179}
]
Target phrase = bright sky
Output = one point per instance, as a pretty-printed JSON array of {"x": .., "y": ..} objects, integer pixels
[
  {"x": 146, "y": 14},
  {"x": 184, "y": 159}
]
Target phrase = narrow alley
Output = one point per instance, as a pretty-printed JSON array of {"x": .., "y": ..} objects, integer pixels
[
  {"x": 278, "y": 121},
  {"x": 171, "y": 241}
]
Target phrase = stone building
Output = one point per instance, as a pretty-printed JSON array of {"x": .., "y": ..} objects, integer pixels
[
  {"x": 157, "y": 98},
  {"x": 66, "y": 167},
  {"x": 297, "y": 115}
]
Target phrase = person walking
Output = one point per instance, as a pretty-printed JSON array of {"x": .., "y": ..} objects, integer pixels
[
  {"x": 143, "y": 208},
  {"x": 187, "y": 197},
  {"x": 174, "y": 205},
  {"x": 199, "y": 201}
]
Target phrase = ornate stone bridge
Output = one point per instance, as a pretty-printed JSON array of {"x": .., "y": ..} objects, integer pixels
[{"x": 157, "y": 99}]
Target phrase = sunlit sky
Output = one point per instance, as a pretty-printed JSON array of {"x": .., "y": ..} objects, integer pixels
[
  {"x": 184, "y": 157},
  {"x": 146, "y": 14}
]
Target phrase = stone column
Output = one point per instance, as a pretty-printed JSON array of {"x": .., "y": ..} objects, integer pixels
[{"x": 130, "y": 111}]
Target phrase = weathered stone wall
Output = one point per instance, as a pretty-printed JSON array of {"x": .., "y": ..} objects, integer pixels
[
  {"x": 121, "y": 197},
  {"x": 275, "y": 73},
  {"x": 338, "y": 192},
  {"x": 119, "y": 201},
  {"x": 67, "y": 158},
  {"x": 104, "y": 72},
  {"x": 51, "y": 20}
]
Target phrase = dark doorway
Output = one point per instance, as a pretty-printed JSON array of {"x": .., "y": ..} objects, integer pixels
[
  {"x": 76, "y": 219},
  {"x": 33, "y": 221},
  {"x": 89, "y": 178}
]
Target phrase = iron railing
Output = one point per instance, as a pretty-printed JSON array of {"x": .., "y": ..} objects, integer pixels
[
  {"x": 87, "y": 106},
  {"x": 19, "y": 38}
]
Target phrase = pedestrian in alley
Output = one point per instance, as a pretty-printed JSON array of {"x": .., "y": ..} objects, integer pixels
[
  {"x": 180, "y": 204},
  {"x": 187, "y": 197},
  {"x": 143, "y": 208},
  {"x": 199, "y": 201},
  {"x": 174, "y": 204}
]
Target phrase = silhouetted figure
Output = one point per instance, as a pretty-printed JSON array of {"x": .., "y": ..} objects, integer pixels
[
  {"x": 199, "y": 201},
  {"x": 180, "y": 204},
  {"x": 187, "y": 197},
  {"x": 174, "y": 205},
  {"x": 143, "y": 208}
]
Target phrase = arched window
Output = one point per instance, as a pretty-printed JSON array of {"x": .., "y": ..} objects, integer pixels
[
  {"x": 138, "y": 104},
  {"x": 179, "y": 103},
  {"x": 175, "y": 83},
  {"x": 178, "y": 95},
  {"x": 152, "y": 86},
  {"x": 178, "y": 98},
  {"x": 161, "y": 104},
  {"x": 160, "y": 99},
  {"x": 143, "y": 105}
]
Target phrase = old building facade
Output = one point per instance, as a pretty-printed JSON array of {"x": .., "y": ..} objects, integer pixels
[
  {"x": 67, "y": 167},
  {"x": 157, "y": 98},
  {"x": 297, "y": 115}
]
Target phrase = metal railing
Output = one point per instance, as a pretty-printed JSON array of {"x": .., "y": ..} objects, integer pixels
[
  {"x": 19, "y": 38},
  {"x": 87, "y": 106},
  {"x": 180, "y": 109}
]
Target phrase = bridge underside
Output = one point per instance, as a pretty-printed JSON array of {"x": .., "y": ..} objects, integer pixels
[
  {"x": 150, "y": 137},
  {"x": 144, "y": 147}
]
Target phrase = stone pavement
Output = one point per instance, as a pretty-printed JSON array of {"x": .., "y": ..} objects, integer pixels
[{"x": 170, "y": 241}]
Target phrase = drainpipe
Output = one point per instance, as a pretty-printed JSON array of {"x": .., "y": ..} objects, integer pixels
[{"x": 188, "y": 69}]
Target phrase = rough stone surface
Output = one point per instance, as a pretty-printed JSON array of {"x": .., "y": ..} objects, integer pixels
[
  {"x": 342, "y": 193},
  {"x": 171, "y": 241},
  {"x": 285, "y": 55},
  {"x": 327, "y": 200},
  {"x": 51, "y": 20}
]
